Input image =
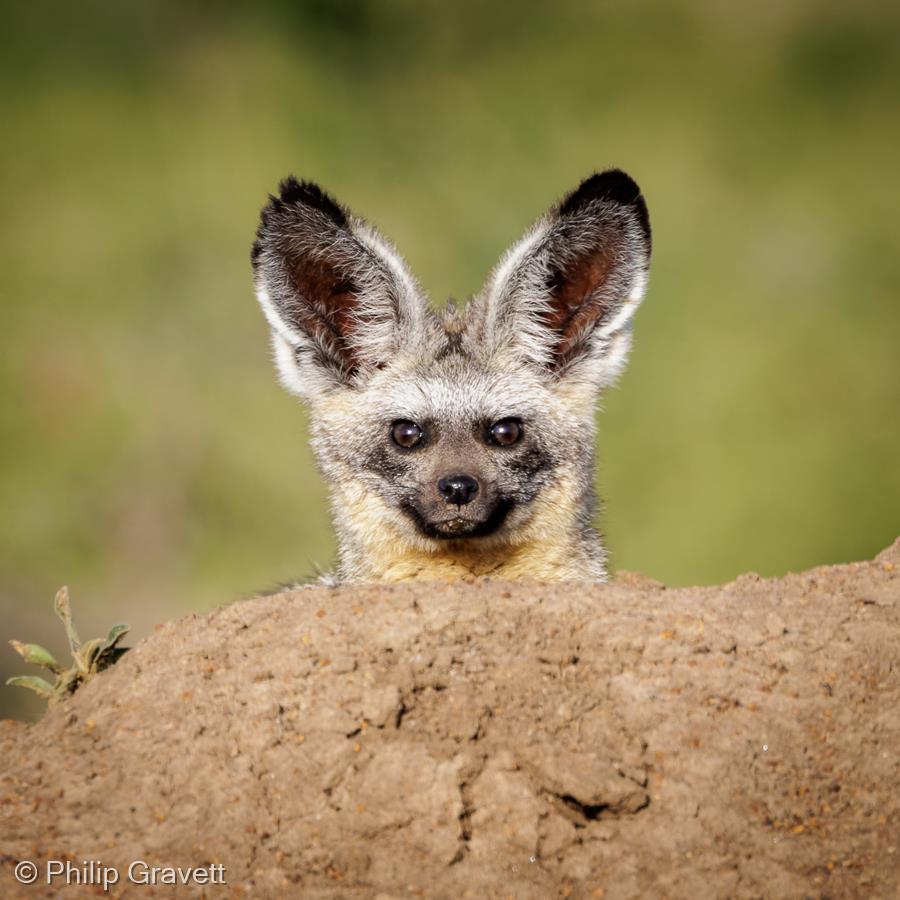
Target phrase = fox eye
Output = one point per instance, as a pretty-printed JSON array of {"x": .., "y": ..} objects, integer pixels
[
  {"x": 406, "y": 434},
  {"x": 506, "y": 432}
]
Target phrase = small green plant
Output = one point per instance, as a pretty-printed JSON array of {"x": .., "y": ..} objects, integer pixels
[{"x": 89, "y": 657}]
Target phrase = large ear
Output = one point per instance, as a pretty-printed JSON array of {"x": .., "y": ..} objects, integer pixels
[
  {"x": 563, "y": 297},
  {"x": 337, "y": 296}
]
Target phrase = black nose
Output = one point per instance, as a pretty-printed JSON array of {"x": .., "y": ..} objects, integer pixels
[{"x": 458, "y": 489}]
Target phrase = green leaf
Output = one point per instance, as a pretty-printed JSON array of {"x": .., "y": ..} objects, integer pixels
[
  {"x": 116, "y": 633},
  {"x": 64, "y": 610},
  {"x": 38, "y": 685},
  {"x": 37, "y": 655},
  {"x": 87, "y": 655}
]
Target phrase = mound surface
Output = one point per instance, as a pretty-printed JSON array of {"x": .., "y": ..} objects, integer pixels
[{"x": 487, "y": 740}]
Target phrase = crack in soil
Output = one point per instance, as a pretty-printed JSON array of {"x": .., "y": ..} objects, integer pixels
[
  {"x": 592, "y": 812},
  {"x": 468, "y": 806}
]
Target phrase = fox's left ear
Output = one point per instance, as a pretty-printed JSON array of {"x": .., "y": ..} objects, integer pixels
[{"x": 563, "y": 297}]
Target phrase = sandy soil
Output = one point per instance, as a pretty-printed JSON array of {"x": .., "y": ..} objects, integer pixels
[{"x": 488, "y": 740}]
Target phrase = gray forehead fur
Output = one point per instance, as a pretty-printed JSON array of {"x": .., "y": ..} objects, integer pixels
[{"x": 453, "y": 385}]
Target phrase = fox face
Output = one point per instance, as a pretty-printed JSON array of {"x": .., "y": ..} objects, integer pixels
[{"x": 458, "y": 443}]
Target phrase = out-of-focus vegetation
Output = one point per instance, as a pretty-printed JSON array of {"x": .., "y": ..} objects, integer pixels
[{"x": 147, "y": 457}]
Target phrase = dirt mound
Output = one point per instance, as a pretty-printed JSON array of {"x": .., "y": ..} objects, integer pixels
[{"x": 486, "y": 740}]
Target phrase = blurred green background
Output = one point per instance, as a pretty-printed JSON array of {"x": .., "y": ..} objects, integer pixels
[{"x": 149, "y": 459}]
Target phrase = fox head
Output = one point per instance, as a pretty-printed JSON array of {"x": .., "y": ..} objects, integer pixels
[{"x": 462, "y": 442}]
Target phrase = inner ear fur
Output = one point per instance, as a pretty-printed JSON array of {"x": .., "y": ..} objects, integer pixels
[
  {"x": 577, "y": 302},
  {"x": 329, "y": 311}
]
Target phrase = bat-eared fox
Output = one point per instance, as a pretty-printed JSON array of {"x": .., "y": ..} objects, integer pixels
[{"x": 457, "y": 443}]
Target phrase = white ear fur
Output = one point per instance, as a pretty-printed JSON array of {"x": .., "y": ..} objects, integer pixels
[
  {"x": 285, "y": 342},
  {"x": 629, "y": 307},
  {"x": 611, "y": 345},
  {"x": 522, "y": 271},
  {"x": 305, "y": 381}
]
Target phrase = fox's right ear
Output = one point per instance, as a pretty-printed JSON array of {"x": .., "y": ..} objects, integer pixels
[{"x": 338, "y": 297}]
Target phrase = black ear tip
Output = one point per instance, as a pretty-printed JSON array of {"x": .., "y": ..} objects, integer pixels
[
  {"x": 612, "y": 185},
  {"x": 292, "y": 192}
]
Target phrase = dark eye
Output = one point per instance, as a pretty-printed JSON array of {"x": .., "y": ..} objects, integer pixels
[
  {"x": 506, "y": 432},
  {"x": 406, "y": 434}
]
